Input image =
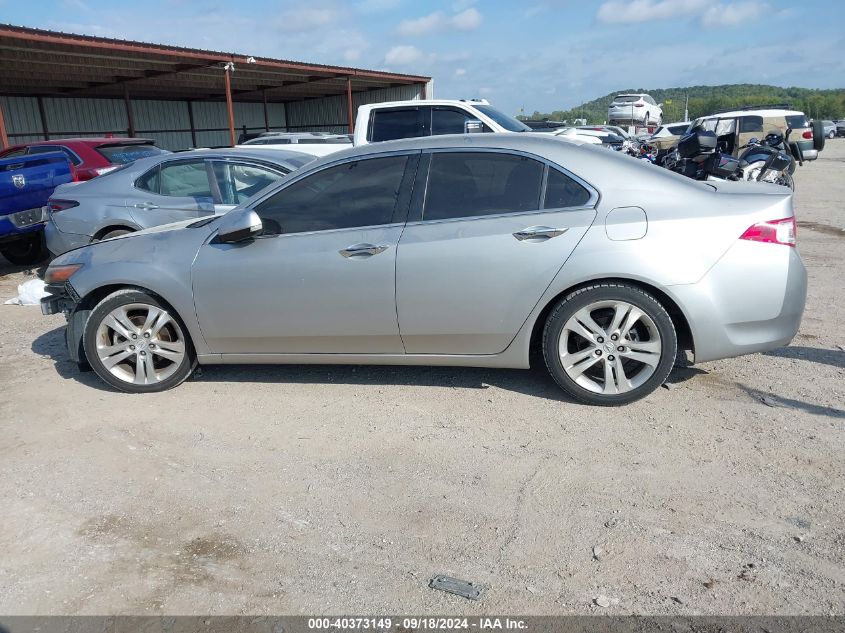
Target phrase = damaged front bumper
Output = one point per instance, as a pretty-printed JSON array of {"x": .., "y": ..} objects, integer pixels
[{"x": 63, "y": 299}]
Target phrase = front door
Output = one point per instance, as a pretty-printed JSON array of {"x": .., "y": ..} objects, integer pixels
[
  {"x": 321, "y": 277},
  {"x": 487, "y": 245}
]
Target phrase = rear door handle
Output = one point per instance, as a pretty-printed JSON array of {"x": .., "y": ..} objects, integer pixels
[
  {"x": 538, "y": 233},
  {"x": 145, "y": 205},
  {"x": 362, "y": 250}
]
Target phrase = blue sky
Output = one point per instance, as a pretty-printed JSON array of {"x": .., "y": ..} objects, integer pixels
[{"x": 540, "y": 54}]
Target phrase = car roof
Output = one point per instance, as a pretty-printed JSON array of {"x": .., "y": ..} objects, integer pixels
[
  {"x": 93, "y": 141},
  {"x": 292, "y": 160},
  {"x": 427, "y": 102},
  {"x": 632, "y": 94}
]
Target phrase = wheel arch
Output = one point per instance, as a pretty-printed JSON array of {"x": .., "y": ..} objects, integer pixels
[
  {"x": 76, "y": 324},
  {"x": 679, "y": 318},
  {"x": 112, "y": 227}
]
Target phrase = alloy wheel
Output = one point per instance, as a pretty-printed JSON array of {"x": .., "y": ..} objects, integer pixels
[
  {"x": 140, "y": 344},
  {"x": 610, "y": 347}
]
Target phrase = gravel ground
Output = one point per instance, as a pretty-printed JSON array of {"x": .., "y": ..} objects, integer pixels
[{"x": 271, "y": 490}]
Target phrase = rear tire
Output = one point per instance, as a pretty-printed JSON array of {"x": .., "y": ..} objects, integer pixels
[
  {"x": 114, "y": 233},
  {"x": 609, "y": 344},
  {"x": 138, "y": 344},
  {"x": 25, "y": 251},
  {"x": 818, "y": 136}
]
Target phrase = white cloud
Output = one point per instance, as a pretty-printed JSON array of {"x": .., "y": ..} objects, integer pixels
[
  {"x": 466, "y": 20},
  {"x": 732, "y": 14},
  {"x": 460, "y": 72},
  {"x": 403, "y": 55},
  {"x": 705, "y": 11},
  {"x": 622, "y": 12}
]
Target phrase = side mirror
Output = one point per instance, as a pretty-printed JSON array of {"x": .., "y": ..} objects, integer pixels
[
  {"x": 239, "y": 225},
  {"x": 473, "y": 126}
]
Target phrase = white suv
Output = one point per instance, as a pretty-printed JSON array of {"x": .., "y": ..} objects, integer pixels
[{"x": 636, "y": 109}]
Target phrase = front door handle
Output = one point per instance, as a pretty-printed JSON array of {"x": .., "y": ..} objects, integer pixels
[
  {"x": 538, "y": 233},
  {"x": 146, "y": 206},
  {"x": 362, "y": 250}
]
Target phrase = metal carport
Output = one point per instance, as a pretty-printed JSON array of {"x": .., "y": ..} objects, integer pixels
[{"x": 48, "y": 76}]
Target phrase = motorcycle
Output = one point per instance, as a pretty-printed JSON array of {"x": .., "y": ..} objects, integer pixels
[
  {"x": 697, "y": 156},
  {"x": 769, "y": 160}
]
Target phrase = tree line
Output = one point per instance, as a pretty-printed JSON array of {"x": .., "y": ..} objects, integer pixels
[{"x": 704, "y": 100}]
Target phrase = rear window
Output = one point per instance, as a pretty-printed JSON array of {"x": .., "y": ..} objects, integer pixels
[
  {"x": 626, "y": 99},
  {"x": 122, "y": 154},
  {"x": 795, "y": 121},
  {"x": 394, "y": 124}
]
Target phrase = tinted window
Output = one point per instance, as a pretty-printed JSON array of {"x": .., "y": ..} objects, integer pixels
[
  {"x": 120, "y": 154},
  {"x": 448, "y": 121},
  {"x": 795, "y": 121},
  {"x": 393, "y": 124},
  {"x": 188, "y": 179},
  {"x": 149, "y": 181},
  {"x": 15, "y": 152},
  {"x": 269, "y": 141},
  {"x": 508, "y": 122},
  {"x": 361, "y": 193},
  {"x": 751, "y": 124},
  {"x": 238, "y": 181},
  {"x": 626, "y": 99},
  {"x": 465, "y": 184},
  {"x": 43, "y": 149},
  {"x": 563, "y": 191},
  {"x": 678, "y": 129}
]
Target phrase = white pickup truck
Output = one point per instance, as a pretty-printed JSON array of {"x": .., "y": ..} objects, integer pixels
[{"x": 407, "y": 119}]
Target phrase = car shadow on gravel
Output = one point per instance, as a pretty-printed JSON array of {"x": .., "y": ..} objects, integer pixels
[
  {"x": 52, "y": 345},
  {"x": 534, "y": 382},
  {"x": 832, "y": 357}
]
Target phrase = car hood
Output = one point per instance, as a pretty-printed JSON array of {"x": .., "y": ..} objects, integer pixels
[{"x": 83, "y": 253}]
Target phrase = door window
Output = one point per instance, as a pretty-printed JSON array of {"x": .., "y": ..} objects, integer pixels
[
  {"x": 393, "y": 124},
  {"x": 359, "y": 193},
  {"x": 751, "y": 124},
  {"x": 563, "y": 191},
  {"x": 240, "y": 181},
  {"x": 448, "y": 121},
  {"x": 44, "y": 149},
  {"x": 466, "y": 184},
  {"x": 188, "y": 179}
]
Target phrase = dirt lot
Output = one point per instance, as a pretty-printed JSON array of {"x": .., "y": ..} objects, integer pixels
[{"x": 338, "y": 489}]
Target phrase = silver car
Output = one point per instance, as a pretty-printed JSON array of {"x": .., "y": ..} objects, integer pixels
[
  {"x": 160, "y": 190},
  {"x": 449, "y": 250}
]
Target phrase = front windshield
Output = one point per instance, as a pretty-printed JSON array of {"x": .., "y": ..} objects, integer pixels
[{"x": 508, "y": 122}]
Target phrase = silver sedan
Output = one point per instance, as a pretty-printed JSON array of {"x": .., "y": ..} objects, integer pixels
[
  {"x": 449, "y": 250},
  {"x": 160, "y": 190}
]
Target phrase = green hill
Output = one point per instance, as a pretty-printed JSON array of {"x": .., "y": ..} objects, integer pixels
[{"x": 819, "y": 104}]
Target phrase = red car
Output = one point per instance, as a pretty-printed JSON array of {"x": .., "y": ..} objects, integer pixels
[{"x": 91, "y": 157}]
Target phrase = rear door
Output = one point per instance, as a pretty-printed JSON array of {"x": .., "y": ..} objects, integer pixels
[
  {"x": 750, "y": 126},
  {"x": 172, "y": 191},
  {"x": 489, "y": 230}
]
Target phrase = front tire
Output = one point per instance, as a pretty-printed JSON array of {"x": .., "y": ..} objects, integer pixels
[
  {"x": 137, "y": 344},
  {"x": 609, "y": 344}
]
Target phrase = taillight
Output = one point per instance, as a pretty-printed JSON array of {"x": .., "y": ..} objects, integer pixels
[
  {"x": 61, "y": 205},
  {"x": 104, "y": 170},
  {"x": 774, "y": 232},
  {"x": 807, "y": 134},
  {"x": 639, "y": 105},
  {"x": 74, "y": 173}
]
